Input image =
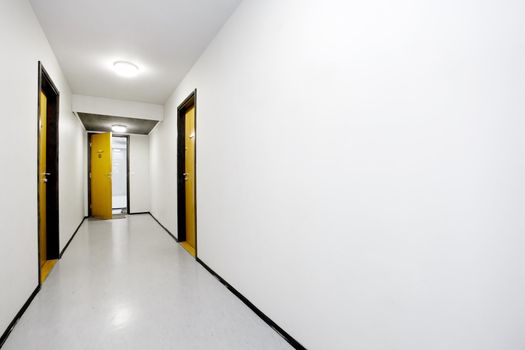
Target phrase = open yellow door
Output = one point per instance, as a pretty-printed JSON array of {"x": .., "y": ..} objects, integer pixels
[{"x": 101, "y": 206}]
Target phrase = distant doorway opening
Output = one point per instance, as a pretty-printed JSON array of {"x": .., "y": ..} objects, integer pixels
[
  {"x": 120, "y": 174},
  {"x": 186, "y": 173},
  {"x": 108, "y": 174}
]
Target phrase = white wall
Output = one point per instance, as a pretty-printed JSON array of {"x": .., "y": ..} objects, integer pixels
[
  {"x": 23, "y": 45},
  {"x": 139, "y": 177},
  {"x": 360, "y": 169},
  {"x": 72, "y": 150},
  {"x": 163, "y": 169}
]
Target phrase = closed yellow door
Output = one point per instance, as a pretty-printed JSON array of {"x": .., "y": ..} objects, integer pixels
[
  {"x": 189, "y": 178},
  {"x": 101, "y": 176},
  {"x": 42, "y": 172}
]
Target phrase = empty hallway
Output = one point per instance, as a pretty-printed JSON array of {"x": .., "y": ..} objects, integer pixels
[
  {"x": 126, "y": 284},
  {"x": 262, "y": 174}
]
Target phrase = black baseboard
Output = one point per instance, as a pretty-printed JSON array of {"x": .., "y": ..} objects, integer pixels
[
  {"x": 254, "y": 308},
  {"x": 139, "y": 213},
  {"x": 73, "y": 236},
  {"x": 13, "y": 323},
  {"x": 248, "y": 303},
  {"x": 165, "y": 229}
]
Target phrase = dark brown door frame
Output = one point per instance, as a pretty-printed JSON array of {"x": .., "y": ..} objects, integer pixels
[
  {"x": 46, "y": 85},
  {"x": 89, "y": 169},
  {"x": 191, "y": 100}
]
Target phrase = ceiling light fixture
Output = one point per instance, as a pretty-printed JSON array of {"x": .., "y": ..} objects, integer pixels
[
  {"x": 119, "y": 128},
  {"x": 126, "y": 69}
]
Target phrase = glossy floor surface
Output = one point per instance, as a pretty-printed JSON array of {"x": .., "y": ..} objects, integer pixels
[{"x": 126, "y": 284}]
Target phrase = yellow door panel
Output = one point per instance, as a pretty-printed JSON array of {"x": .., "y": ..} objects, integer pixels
[
  {"x": 189, "y": 177},
  {"x": 42, "y": 170},
  {"x": 101, "y": 176}
]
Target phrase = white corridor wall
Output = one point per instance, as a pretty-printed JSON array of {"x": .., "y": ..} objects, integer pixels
[
  {"x": 23, "y": 45},
  {"x": 360, "y": 169}
]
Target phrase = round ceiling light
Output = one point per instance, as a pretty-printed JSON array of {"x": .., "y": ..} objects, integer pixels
[
  {"x": 126, "y": 69},
  {"x": 119, "y": 128}
]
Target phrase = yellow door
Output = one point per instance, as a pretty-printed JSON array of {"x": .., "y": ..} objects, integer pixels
[
  {"x": 101, "y": 176},
  {"x": 45, "y": 264},
  {"x": 189, "y": 178},
  {"x": 42, "y": 232}
]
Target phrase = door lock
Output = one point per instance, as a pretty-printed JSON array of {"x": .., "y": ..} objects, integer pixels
[{"x": 44, "y": 177}]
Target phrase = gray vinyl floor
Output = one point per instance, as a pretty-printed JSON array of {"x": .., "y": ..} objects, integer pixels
[{"x": 125, "y": 284}]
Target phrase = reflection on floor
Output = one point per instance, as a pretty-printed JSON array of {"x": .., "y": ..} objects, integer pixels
[
  {"x": 119, "y": 216},
  {"x": 46, "y": 269},
  {"x": 125, "y": 284},
  {"x": 188, "y": 248}
]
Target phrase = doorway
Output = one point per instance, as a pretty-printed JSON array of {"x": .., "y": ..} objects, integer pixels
[
  {"x": 108, "y": 174},
  {"x": 120, "y": 174},
  {"x": 47, "y": 175},
  {"x": 186, "y": 173}
]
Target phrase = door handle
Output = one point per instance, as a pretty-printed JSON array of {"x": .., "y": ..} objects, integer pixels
[{"x": 44, "y": 176}]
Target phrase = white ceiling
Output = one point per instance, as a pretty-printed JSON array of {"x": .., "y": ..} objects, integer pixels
[{"x": 163, "y": 37}]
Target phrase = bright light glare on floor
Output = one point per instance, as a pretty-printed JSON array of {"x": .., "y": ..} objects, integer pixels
[{"x": 121, "y": 317}]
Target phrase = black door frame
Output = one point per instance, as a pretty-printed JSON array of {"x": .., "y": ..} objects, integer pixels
[
  {"x": 46, "y": 85},
  {"x": 89, "y": 169},
  {"x": 191, "y": 100}
]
